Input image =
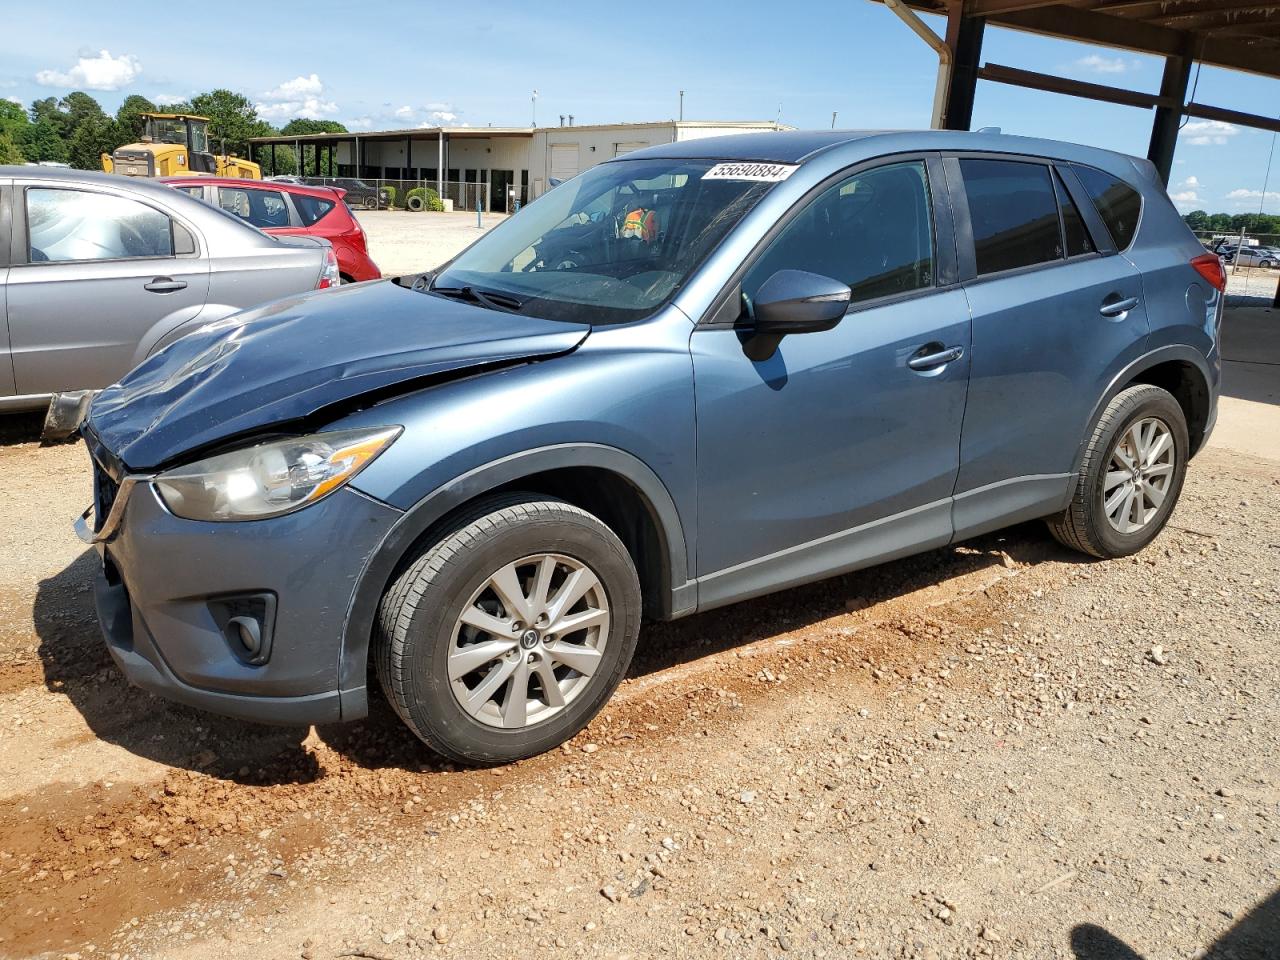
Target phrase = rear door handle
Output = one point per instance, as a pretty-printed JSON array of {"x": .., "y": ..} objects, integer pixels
[
  {"x": 1118, "y": 308},
  {"x": 934, "y": 355},
  {"x": 165, "y": 285}
]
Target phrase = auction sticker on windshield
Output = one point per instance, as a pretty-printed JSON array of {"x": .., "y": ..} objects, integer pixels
[{"x": 762, "y": 172}]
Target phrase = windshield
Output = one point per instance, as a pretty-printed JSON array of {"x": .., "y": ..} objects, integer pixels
[
  {"x": 164, "y": 130},
  {"x": 606, "y": 247}
]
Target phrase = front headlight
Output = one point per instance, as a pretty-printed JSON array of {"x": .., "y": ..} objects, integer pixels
[{"x": 271, "y": 478}]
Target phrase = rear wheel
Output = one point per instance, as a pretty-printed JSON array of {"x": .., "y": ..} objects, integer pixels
[
  {"x": 1130, "y": 477},
  {"x": 371, "y": 203},
  {"x": 503, "y": 639}
]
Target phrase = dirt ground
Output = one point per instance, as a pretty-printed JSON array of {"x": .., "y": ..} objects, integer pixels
[
  {"x": 401, "y": 242},
  {"x": 998, "y": 749}
]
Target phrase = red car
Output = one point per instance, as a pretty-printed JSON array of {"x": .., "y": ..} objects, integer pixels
[{"x": 290, "y": 208}]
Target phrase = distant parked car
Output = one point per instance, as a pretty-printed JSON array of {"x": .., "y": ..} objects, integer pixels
[
  {"x": 360, "y": 193},
  {"x": 1256, "y": 257},
  {"x": 290, "y": 209},
  {"x": 103, "y": 271}
]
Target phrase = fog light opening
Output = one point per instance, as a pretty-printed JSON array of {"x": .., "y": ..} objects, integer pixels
[{"x": 247, "y": 632}]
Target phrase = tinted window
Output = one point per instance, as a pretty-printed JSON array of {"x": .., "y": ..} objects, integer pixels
[
  {"x": 1118, "y": 203},
  {"x": 197, "y": 192},
  {"x": 78, "y": 225},
  {"x": 262, "y": 208},
  {"x": 311, "y": 209},
  {"x": 873, "y": 232},
  {"x": 1013, "y": 212},
  {"x": 1077, "y": 236}
]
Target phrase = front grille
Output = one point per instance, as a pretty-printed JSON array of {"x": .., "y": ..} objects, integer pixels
[{"x": 104, "y": 495}]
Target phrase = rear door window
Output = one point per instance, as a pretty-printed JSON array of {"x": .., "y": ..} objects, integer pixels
[
  {"x": 262, "y": 208},
  {"x": 69, "y": 225},
  {"x": 1014, "y": 214},
  {"x": 1118, "y": 204},
  {"x": 311, "y": 209},
  {"x": 1074, "y": 231}
]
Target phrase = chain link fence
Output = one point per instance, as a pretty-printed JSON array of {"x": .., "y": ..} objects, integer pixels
[{"x": 380, "y": 193}]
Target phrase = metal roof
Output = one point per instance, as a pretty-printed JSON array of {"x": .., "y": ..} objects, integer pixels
[{"x": 1237, "y": 34}]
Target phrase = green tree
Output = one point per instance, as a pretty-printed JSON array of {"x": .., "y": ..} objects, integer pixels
[
  {"x": 1197, "y": 220},
  {"x": 44, "y": 142},
  {"x": 232, "y": 119},
  {"x": 9, "y": 152},
  {"x": 129, "y": 116},
  {"x": 92, "y": 138},
  {"x": 79, "y": 108}
]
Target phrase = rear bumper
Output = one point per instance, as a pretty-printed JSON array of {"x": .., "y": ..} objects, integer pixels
[
  {"x": 169, "y": 587},
  {"x": 355, "y": 263}
]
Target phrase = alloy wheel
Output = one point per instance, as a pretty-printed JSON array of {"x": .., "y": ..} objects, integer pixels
[
  {"x": 1138, "y": 474},
  {"x": 528, "y": 641}
]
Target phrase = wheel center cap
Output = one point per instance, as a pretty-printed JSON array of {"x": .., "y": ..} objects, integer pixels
[{"x": 529, "y": 639}]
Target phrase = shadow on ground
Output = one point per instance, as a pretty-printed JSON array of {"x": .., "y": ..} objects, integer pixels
[
  {"x": 1255, "y": 937},
  {"x": 76, "y": 665}
]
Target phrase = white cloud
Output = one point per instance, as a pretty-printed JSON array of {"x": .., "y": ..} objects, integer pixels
[
  {"x": 168, "y": 99},
  {"x": 103, "y": 72},
  {"x": 1095, "y": 63},
  {"x": 360, "y": 123},
  {"x": 298, "y": 88},
  {"x": 404, "y": 113},
  {"x": 1186, "y": 195},
  {"x": 1203, "y": 133},
  {"x": 299, "y": 97},
  {"x": 14, "y": 100},
  {"x": 1255, "y": 195},
  {"x": 443, "y": 116}
]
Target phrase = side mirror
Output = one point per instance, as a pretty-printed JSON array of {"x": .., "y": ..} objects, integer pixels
[{"x": 794, "y": 301}]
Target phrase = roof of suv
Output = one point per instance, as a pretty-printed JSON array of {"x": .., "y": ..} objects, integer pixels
[{"x": 799, "y": 146}]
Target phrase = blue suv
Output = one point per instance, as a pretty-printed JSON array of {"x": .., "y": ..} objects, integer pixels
[{"x": 699, "y": 373}]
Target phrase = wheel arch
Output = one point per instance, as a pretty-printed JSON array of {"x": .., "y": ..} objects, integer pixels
[
  {"x": 614, "y": 485},
  {"x": 1177, "y": 368}
]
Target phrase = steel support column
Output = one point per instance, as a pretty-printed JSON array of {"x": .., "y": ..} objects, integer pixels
[
  {"x": 1164, "y": 129},
  {"x": 964, "y": 37}
]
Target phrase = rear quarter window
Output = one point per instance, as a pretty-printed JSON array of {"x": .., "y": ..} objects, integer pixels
[
  {"x": 1118, "y": 204},
  {"x": 311, "y": 209}
]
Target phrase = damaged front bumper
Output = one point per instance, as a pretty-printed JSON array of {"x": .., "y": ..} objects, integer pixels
[{"x": 246, "y": 619}]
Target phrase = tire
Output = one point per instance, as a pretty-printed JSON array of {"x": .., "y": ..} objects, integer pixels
[
  {"x": 420, "y": 633},
  {"x": 371, "y": 203},
  {"x": 415, "y": 204},
  {"x": 1087, "y": 525}
]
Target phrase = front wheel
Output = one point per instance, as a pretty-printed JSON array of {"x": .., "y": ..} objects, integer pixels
[
  {"x": 503, "y": 639},
  {"x": 1130, "y": 477}
]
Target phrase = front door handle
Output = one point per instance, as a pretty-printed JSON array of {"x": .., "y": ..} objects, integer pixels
[
  {"x": 934, "y": 355},
  {"x": 165, "y": 285},
  {"x": 1118, "y": 308}
]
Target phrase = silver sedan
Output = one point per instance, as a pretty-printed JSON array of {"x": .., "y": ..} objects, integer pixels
[{"x": 97, "y": 272}]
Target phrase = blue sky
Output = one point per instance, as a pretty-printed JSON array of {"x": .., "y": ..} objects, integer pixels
[{"x": 401, "y": 64}]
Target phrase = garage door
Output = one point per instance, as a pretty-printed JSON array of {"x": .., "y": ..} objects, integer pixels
[
  {"x": 564, "y": 161},
  {"x": 627, "y": 146}
]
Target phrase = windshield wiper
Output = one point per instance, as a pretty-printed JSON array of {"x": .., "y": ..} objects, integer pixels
[{"x": 494, "y": 301}]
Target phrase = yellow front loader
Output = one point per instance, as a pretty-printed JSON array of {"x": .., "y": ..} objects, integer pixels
[{"x": 175, "y": 144}]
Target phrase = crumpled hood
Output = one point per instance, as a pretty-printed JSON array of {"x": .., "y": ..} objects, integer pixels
[{"x": 291, "y": 358}]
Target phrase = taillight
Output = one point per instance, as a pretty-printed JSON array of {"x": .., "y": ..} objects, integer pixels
[
  {"x": 1209, "y": 266},
  {"x": 329, "y": 275}
]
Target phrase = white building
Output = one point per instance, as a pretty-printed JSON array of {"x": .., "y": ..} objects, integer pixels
[{"x": 508, "y": 163}]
